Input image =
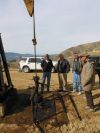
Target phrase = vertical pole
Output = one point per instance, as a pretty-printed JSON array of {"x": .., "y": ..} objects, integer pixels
[{"x": 34, "y": 37}]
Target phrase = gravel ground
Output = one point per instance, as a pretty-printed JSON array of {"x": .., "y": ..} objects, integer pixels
[{"x": 19, "y": 120}]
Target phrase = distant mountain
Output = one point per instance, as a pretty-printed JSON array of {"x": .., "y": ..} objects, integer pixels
[
  {"x": 91, "y": 48},
  {"x": 13, "y": 56}
]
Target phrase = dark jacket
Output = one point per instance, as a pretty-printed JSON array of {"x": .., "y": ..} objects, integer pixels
[
  {"x": 47, "y": 66},
  {"x": 63, "y": 66},
  {"x": 77, "y": 66}
]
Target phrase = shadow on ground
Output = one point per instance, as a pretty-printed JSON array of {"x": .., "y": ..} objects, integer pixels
[
  {"x": 97, "y": 107},
  {"x": 96, "y": 96},
  {"x": 22, "y": 113}
]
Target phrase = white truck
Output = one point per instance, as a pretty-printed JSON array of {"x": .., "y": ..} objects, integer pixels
[{"x": 27, "y": 64}]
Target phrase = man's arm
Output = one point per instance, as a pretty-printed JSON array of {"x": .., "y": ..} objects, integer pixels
[
  {"x": 42, "y": 63},
  {"x": 67, "y": 66}
]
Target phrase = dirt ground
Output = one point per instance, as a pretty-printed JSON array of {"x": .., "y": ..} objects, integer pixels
[{"x": 19, "y": 120}]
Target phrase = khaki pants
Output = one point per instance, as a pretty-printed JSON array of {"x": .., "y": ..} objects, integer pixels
[{"x": 62, "y": 78}]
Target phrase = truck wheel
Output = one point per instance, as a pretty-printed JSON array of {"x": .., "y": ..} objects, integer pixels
[{"x": 26, "y": 69}]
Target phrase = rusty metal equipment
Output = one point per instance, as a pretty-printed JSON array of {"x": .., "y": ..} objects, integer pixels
[{"x": 7, "y": 90}]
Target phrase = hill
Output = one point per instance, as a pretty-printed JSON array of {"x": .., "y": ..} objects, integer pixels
[{"x": 91, "y": 48}]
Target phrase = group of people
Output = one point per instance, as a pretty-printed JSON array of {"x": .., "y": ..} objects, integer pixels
[
  {"x": 83, "y": 77},
  {"x": 83, "y": 73},
  {"x": 63, "y": 67}
]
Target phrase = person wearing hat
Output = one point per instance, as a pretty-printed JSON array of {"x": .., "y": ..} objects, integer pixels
[
  {"x": 46, "y": 65},
  {"x": 87, "y": 75}
]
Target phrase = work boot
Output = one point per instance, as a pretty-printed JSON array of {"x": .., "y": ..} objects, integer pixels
[
  {"x": 87, "y": 107},
  {"x": 74, "y": 91},
  {"x": 66, "y": 89},
  {"x": 79, "y": 93},
  {"x": 92, "y": 110},
  {"x": 60, "y": 89}
]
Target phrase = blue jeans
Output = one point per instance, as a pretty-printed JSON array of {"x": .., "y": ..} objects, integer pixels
[
  {"x": 44, "y": 76},
  {"x": 77, "y": 82}
]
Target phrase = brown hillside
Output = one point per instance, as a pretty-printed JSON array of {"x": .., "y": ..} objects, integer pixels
[{"x": 91, "y": 48}]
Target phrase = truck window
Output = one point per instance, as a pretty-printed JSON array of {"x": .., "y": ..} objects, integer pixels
[
  {"x": 38, "y": 60},
  {"x": 32, "y": 60},
  {"x": 23, "y": 59}
]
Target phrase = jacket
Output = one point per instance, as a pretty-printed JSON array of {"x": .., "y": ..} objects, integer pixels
[
  {"x": 87, "y": 76},
  {"x": 47, "y": 65},
  {"x": 63, "y": 66},
  {"x": 77, "y": 66}
]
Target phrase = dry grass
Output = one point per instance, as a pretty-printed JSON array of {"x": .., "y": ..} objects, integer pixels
[{"x": 18, "y": 122}]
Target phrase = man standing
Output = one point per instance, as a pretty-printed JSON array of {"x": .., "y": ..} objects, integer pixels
[
  {"x": 76, "y": 69},
  {"x": 87, "y": 80},
  {"x": 46, "y": 65},
  {"x": 63, "y": 68}
]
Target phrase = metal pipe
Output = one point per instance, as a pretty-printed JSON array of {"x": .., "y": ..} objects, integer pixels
[
  {"x": 5, "y": 63},
  {"x": 34, "y": 37}
]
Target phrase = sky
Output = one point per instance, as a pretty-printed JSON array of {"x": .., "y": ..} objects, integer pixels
[{"x": 60, "y": 24}]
